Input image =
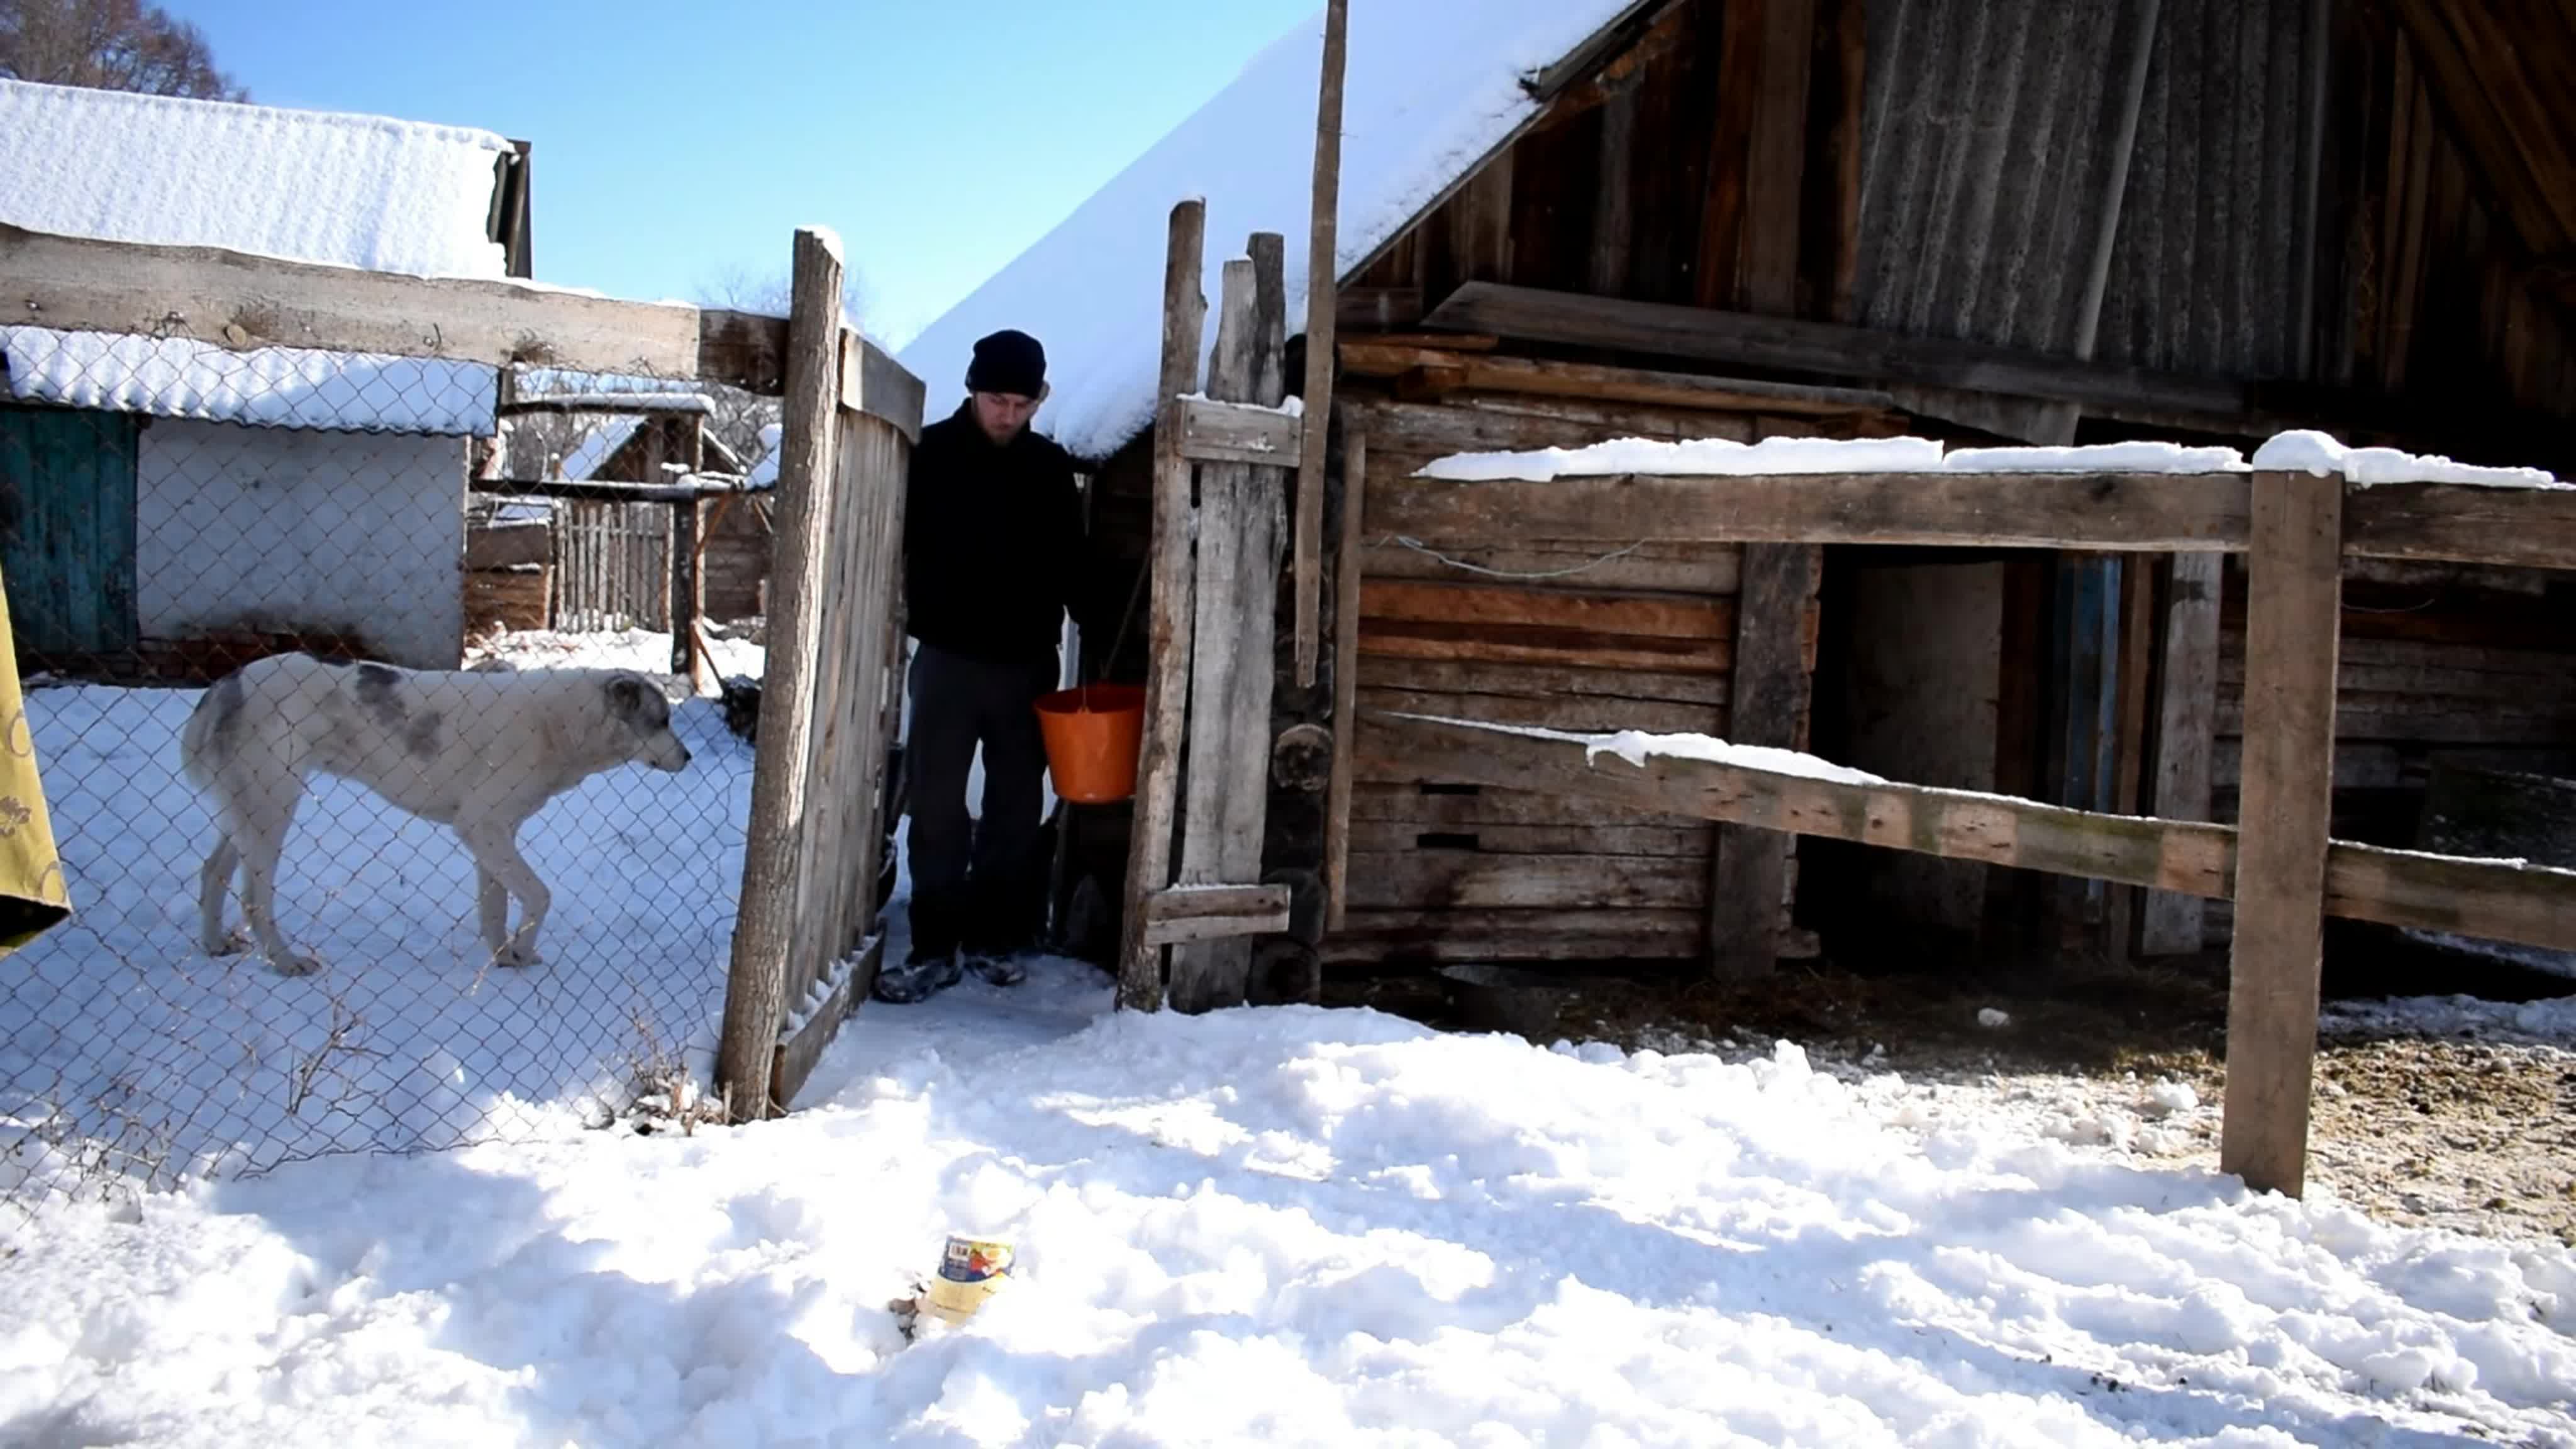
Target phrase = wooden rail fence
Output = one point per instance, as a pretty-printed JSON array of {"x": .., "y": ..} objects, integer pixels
[{"x": 2278, "y": 865}]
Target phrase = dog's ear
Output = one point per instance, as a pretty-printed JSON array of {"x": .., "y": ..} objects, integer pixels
[{"x": 626, "y": 696}]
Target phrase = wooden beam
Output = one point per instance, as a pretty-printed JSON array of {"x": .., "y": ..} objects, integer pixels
[
  {"x": 1614, "y": 190},
  {"x": 587, "y": 492},
  {"x": 2494, "y": 899},
  {"x": 2163, "y": 513},
  {"x": 2293, "y": 617},
  {"x": 2462, "y": 523},
  {"x": 1614, "y": 36},
  {"x": 1214, "y": 912},
  {"x": 2103, "y": 512},
  {"x": 1666, "y": 329},
  {"x": 1346, "y": 671},
  {"x": 2186, "y": 729},
  {"x": 755, "y": 1002},
  {"x": 874, "y": 383},
  {"x": 1213, "y": 431},
  {"x": 1237, "y": 582},
  {"x": 239, "y": 301},
  {"x": 1770, "y": 695},
  {"x": 1167, "y": 678},
  {"x": 1323, "y": 286},
  {"x": 1775, "y": 159},
  {"x": 1376, "y": 357}
]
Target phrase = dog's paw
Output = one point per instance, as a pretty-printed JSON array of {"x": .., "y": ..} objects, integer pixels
[
  {"x": 517, "y": 953},
  {"x": 230, "y": 945},
  {"x": 296, "y": 963}
]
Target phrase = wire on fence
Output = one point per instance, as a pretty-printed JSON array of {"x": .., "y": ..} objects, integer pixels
[{"x": 321, "y": 632}]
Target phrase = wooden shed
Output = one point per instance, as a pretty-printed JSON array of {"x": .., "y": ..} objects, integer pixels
[
  {"x": 1988, "y": 222},
  {"x": 146, "y": 480}
]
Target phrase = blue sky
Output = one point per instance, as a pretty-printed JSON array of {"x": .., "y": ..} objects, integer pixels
[{"x": 679, "y": 145}]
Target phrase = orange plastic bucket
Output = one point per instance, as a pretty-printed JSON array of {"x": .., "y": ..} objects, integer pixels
[{"x": 1091, "y": 737}]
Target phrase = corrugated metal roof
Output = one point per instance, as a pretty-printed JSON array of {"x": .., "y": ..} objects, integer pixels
[{"x": 1992, "y": 137}]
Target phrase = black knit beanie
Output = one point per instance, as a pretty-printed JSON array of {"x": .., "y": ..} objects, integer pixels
[{"x": 1008, "y": 361}]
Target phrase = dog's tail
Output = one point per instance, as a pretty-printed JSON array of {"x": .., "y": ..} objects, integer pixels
[{"x": 207, "y": 741}]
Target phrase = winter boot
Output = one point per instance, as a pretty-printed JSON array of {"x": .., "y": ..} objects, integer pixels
[{"x": 922, "y": 975}]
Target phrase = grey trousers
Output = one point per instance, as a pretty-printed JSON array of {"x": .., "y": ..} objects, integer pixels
[{"x": 975, "y": 884}]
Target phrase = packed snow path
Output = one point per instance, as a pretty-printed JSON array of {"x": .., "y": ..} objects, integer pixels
[{"x": 1294, "y": 1225}]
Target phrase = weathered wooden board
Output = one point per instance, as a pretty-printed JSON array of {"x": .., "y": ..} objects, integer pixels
[
  {"x": 1682, "y": 568},
  {"x": 2494, "y": 899},
  {"x": 1426, "y": 879},
  {"x": 1668, "y": 842},
  {"x": 1209, "y": 913},
  {"x": 2293, "y": 610},
  {"x": 2098, "y": 511},
  {"x": 1536, "y": 681},
  {"x": 1372, "y": 357},
  {"x": 1468, "y": 806},
  {"x": 1556, "y": 712}
]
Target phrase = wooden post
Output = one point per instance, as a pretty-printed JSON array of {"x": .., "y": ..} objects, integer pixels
[
  {"x": 2129, "y": 744},
  {"x": 1346, "y": 671},
  {"x": 1750, "y": 872},
  {"x": 687, "y": 592},
  {"x": 1323, "y": 291},
  {"x": 2186, "y": 730},
  {"x": 2293, "y": 617},
  {"x": 755, "y": 989},
  {"x": 1230, "y": 669},
  {"x": 1167, "y": 678}
]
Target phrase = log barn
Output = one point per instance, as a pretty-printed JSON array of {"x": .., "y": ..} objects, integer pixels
[{"x": 1985, "y": 222}]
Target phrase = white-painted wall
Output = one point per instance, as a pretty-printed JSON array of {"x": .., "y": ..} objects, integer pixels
[{"x": 281, "y": 528}]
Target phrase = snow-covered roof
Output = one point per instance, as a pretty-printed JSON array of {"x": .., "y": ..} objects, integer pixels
[
  {"x": 319, "y": 186},
  {"x": 293, "y": 387},
  {"x": 1424, "y": 98},
  {"x": 596, "y": 447}
]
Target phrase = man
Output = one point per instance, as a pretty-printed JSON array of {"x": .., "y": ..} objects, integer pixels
[{"x": 994, "y": 555}]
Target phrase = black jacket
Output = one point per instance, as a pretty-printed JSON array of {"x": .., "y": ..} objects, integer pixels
[{"x": 993, "y": 546}]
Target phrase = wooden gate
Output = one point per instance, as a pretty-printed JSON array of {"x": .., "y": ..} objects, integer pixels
[
  {"x": 612, "y": 566},
  {"x": 807, "y": 942}
]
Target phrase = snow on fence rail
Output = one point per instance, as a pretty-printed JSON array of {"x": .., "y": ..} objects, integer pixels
[
  {"x": 2302, "y": 506},
  {"x": 212, "y": 463}
]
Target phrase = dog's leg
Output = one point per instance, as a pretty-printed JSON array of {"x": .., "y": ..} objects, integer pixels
[
  {"x": 261, "y": 838},
  {"x": 212, "y": 884},
  {"x": 492, "y": 904},
  {"x": 496, "y": 855}
]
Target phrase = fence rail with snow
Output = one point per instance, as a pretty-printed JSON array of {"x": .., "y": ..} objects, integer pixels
[{"x": 277, "y": 558}]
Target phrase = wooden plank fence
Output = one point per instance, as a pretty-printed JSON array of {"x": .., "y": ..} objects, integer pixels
[
  {"x": 807, "y": 943},
  {"x": 2278, "y": 865}
]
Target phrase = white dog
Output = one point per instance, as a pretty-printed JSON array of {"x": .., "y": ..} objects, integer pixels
[{"x": 479, "y": 751}]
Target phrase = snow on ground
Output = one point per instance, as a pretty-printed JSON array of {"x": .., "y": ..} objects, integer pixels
[
  {"x": 645, "y": 651},
  {"x": 117, "y": 1026},
  {"x": 2550, "y": 1020},
  {"x": 1291, "y": 1225}
]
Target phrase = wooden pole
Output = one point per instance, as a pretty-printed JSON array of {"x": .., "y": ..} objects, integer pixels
[
  {"x": 1749, "y": 874},
  {"x": 1346, "y": 673},
  {"x": 2293, "y": 615},
  {"x": 781, "y": 768},
  {"x": 1167, "y": 678},
  {"x": 1323, "y": 290},
  {"x": 2186, "y": 731}
]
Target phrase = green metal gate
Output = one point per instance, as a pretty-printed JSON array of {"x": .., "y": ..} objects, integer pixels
[{"x": 67, "y": 486}]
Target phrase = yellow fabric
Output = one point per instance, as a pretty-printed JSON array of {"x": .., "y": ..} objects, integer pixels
[{"x": 32, "y": 897}]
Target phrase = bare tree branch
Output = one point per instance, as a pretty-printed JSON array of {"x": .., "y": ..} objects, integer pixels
[{"x": 115, "y": 45}]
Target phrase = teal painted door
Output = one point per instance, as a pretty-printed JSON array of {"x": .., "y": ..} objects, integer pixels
[{"x": 67, "y": 529}]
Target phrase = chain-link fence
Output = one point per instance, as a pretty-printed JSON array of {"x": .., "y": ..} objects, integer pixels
[{"x": 319, "y": 751}]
